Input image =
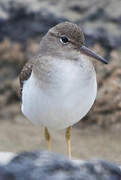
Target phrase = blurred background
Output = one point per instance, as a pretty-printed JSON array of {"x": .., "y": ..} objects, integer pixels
[{"x": 22, "y": 25}]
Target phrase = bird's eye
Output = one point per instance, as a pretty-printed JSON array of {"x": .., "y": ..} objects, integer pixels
[{"x": 64, "y": 40}]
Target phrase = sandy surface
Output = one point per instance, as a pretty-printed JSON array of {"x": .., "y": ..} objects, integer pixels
[{"x": 90, "y": 142}]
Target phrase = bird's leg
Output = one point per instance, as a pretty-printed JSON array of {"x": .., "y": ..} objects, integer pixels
[
  {"x": 47, "y": 138},
  {"x": 68, "y": 143}
]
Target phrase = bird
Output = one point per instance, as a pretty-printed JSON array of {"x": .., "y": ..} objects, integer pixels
[{"x": 58, "y": 86}]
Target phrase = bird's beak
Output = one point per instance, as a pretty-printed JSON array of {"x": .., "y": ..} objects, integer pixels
[{"x": 92, "y": 54}]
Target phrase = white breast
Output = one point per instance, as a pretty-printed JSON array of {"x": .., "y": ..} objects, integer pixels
[{"x": 63, "y": 105}]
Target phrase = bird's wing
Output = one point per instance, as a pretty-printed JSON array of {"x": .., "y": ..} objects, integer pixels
[{"x": 25, "y": 74}]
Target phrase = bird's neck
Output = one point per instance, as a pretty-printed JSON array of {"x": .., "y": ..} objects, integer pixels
[{"x": 51, "y": 70}]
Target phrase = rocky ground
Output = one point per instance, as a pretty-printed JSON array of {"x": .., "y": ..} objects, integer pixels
[
  {"x": 48, "y": 166},
  {"x": 22, "y": 24}
]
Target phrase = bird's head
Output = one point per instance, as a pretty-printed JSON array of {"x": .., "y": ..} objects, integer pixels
[{"x": 66, "y": 39}]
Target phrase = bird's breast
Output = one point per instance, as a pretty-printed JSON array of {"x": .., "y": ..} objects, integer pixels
[
  {"x": 64, "y": 75},
  {"x": 63, "y": 101}
]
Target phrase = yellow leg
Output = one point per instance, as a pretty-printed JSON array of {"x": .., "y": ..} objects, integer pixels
[
  {"x": 68, "y": 143},
  {"x": 47, "y": 138}
]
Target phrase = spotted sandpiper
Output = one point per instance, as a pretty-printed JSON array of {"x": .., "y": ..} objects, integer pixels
[{"x": 59, "y": 86}]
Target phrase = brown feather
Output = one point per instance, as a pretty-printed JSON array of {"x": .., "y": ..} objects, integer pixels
[{"x": 25, "y": 74}]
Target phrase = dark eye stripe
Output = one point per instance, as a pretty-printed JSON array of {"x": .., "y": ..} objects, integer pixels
[{"x": 69, "y": 40}]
